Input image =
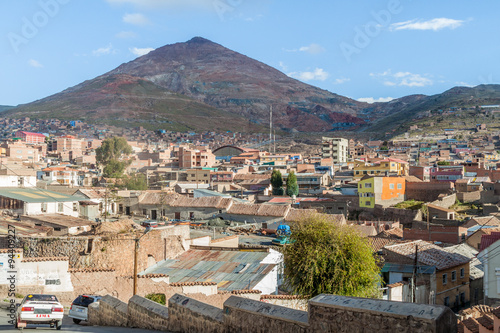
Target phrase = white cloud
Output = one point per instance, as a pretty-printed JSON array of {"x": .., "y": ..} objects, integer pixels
[
  {"x": 403, "y": 79},
  {"x": 34, "y": 63},
  {"x": 312, "y": 48},
  {"x": 341, "y": 80},
  {"x": 318, "y": 74},
  {"x": 464, "y": 84},
  {"x": 372, "y": 100},
  {"x": 434, "y": 24},
  {"x": 141, "y": 51},
  {"x": 135, "y": 19},
  {"x": 103, "y": 51},
  {"x": 283, "y": 66},
  {"x": 126, "y": 34}
]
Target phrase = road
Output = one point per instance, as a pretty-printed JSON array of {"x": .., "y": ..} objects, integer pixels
[{"x": 68, "y": 326}]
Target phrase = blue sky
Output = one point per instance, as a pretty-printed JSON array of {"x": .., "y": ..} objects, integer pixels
[{"x": 367, "y": 50}]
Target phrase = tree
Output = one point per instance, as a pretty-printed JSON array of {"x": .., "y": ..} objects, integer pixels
[
  {"x": 291, "y": 185},
  {"x": 136, "y": 182},
  {"x": 109, "y": 156},
  {"x": 324, "y": 257},
  {"x": 277, "y": 182}
]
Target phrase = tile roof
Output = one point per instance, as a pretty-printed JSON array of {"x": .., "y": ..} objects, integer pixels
[
  {"x": 486, "y": 322},
  {"x": 487, "y": 240},
  {"x": 259, "y": 209},
  {"x": 41, "y": 259},
  {"x": 231, "y": 270},
  {"x": 476, "y": 267},
  {"x": 429, "y": 254},
  {"x": 471, "y": 325}
]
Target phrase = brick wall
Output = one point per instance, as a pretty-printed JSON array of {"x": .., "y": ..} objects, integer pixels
[
  {"x": 469, "y": 196},
  {"x": 445, "y": 234},
  {"x": 425, "y": 191}
]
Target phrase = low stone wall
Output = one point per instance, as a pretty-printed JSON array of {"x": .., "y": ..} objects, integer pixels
[
  {"x": 246, "y": 315},
  {"x": 330, "y": 313},
  {"x": 288, "y": 301},
  {"x": 189, "y": 315},
  {"x": 94, "y": 314},
  {"x": 446, "y": 201},
  {"x": 144, "y": 313},
  {"x": 112, "y": 312}
]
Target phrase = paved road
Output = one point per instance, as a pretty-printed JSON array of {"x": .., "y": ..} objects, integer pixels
[{"x": 68, "y": 326}]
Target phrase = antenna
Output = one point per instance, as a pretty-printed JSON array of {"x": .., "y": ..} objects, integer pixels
[{"x": 270, "y": 128}]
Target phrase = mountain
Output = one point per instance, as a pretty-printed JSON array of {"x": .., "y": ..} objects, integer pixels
[
  {"x": 5, "y": 107},
  {"x": 400, "y": 113},
  {"x": 199, "y": 85}
]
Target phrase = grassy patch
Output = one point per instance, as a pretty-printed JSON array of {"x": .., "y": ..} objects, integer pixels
[{"x": 410, "y": 204}]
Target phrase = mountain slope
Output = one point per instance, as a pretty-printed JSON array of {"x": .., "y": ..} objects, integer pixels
[{"x": 205, "y": 76}]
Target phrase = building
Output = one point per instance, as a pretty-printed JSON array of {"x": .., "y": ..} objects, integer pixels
[
  {"x": 191, "y": 158},
  {"x": 35, "y": 201},
  {"x": 447, "y": 173},
  {"x": 385, "y": 191},
  {"x": 61, "y": 175},
  {"x": 385, "y": 167},
  {"x": 231, "y": 269},
  {"x": 490, "y": 258},
  {"x": 30, "y": 137},
  {"x": 446, "y": 280},
  {"x": 335, "y": 148},
  {"x": 21, "y": 151}
]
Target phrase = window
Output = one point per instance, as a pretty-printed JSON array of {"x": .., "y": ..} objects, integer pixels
[
  {"x": 391, "y": 186},
  {"x": 445, "y": 278},
  {"x": 368, "y": 185},
  {"x": 367, "y": 203},
  {"x": 454, "y": 276},
  {"x": 75, "y": 206},
  {"x": 462, "y": 299},
  {"x": 400, "y": 186},
  {"x": 462, "y": 273},
  {"x": 44, "y": 207},
  {"x": 60, "y": 207},
  {"x": 447, "y": 301}
]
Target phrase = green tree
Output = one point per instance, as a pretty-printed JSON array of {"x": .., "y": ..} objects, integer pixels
[
  {"x": 324, "y": 257},
  {"x": 291, "y": 185},
  {"x": 110, "y": 156},
  {"x": 136, "y": 182},
  {"x": 277, "y": 182}
]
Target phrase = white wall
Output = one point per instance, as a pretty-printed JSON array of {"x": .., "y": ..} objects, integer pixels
[
  {"x": 13, "y": 181},
  {"x": 52, "y": 208},
  {"x": 4, "y": 266},
  {"x": 37, "y": 274}
]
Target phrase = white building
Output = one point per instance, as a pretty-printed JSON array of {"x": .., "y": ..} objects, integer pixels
[{"x": 335, "y": 148}]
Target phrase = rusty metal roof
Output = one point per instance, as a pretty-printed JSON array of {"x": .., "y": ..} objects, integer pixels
[{"x": 231, "y": 270}]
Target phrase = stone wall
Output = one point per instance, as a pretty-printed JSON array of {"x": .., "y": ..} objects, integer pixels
[
  {"x": 329, "y": 313},
  {"x": 144, "y": 313},
  {"x": 288, "y": 301},
  {"x": 245, "y": 315},
  {"x": 445, "y": 201},
  {"x": 189, "y": 315},
  {"x": 404, "y": 216},
  {"x": 112, "y": 312}
]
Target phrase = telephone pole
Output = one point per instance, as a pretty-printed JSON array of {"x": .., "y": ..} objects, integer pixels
[{"x": 414, "y": 278}]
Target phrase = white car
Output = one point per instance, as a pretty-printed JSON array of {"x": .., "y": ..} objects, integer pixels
[
  {"x": 40, "y": 309},
  {"x": 79, "y": 307}
]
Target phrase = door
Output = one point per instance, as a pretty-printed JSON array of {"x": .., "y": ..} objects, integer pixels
[
  {"x": 127, "y": 210},
  {"x": 153, "y": 214},
  {"x": 177, "y": 215}
]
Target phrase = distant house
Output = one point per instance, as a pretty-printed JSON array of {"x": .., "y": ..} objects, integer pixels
[
  {"x": 385, "y": 191},
  {"x": 30, "y": 137},
  {"x": 490, "y": 258},
  {"x": 27, "y": 201}
]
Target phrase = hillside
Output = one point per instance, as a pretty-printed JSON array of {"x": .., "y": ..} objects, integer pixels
[
  {"x": 199, "y": 85},
  {"x": 5, "y": 107},
  {"x": 409, "y": 110}
]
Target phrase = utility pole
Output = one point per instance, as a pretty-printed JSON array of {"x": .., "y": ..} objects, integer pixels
[
  {"x": 270, "y": 128},
  {"x": 414, "y": 279}
]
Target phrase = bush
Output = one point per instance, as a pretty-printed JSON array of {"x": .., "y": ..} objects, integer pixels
[{"x": 158, "y": 298}]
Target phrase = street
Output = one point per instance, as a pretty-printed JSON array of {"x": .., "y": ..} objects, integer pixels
[{"x": 68, "y": 326}]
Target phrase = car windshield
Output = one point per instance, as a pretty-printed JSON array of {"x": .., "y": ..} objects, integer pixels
[
  {"x": 83, "y": 300},
  {"x": 41, "y": 298}
]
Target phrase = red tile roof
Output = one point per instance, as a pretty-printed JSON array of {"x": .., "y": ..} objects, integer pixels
[{"x": 487, "y": 240}]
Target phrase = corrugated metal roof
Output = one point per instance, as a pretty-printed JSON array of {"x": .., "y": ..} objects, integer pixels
[
  {"x": 34, "y": 195},
  {"x": 231, "y": 270}
]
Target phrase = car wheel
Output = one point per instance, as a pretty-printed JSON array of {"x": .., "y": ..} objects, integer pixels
[
  {"x": 59, "y": 325},
  {"x": 77, "y": 321}
]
